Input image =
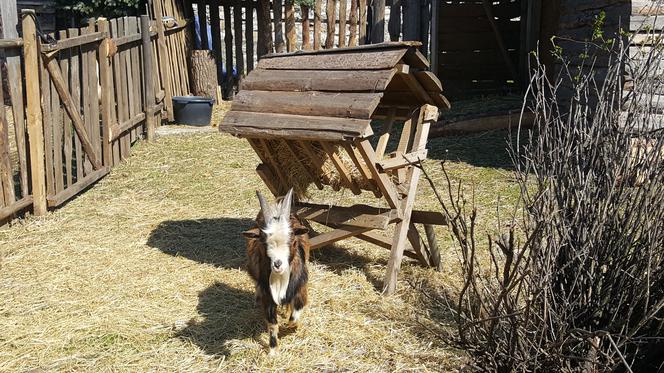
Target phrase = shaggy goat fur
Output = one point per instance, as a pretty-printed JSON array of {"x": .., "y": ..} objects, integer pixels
[{"x": 278, "y": 283}]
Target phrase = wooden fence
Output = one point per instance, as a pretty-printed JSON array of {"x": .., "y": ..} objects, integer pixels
[{"x": 90, "y": 93}]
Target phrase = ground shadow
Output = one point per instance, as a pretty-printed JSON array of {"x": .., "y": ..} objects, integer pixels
[
  {"x": 338, "y": 258},
  {"x": 486, "y": 149},
  {"x": 212, "y": 241},
  {"x": 228, "y": 313}
]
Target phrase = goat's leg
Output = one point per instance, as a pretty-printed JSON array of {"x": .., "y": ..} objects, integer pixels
[
  {"x": 297, "y": 304},
  {"x": 272, "y": 326}
]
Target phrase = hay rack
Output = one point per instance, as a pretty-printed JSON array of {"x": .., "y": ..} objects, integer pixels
[{"x": 308, "y": 116}]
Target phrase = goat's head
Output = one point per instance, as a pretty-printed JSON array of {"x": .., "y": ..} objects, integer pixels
[{"x": 275, "y": 231}]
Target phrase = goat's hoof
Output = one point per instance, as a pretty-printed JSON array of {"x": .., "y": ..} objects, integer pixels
[
  {"x": 294, "y": 324},
  {"x": 273, "y": 352}
]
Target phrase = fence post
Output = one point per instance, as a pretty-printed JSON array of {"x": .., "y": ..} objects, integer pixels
[
  {"x": 148, "y": 78},
  {"x": 106, "y": 91},
  {"x": 163, "y": 58},
  {"x": 35, "y": 124}
]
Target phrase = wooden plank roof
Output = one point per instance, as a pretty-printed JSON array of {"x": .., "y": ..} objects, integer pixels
[{"x": 332, "y": 94}]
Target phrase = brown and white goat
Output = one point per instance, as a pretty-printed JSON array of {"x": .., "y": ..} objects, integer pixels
[{"x": 278, "y": 252}]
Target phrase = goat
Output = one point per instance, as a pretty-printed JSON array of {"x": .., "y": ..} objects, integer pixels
[{"x": 278, "y": 252}]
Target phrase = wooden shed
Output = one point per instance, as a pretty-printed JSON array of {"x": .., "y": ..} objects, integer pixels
[{"x": 308, "y": 116}]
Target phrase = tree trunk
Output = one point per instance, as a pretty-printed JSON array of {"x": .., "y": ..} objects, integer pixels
[
  {"x": 306, "y": 29},
  {"x": 203, "y": 73}
]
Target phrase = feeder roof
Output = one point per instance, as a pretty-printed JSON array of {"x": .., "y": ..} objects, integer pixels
[{"x": 332, "y": 94}]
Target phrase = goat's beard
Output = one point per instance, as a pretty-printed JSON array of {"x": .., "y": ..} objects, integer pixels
[{"x": 279, "y": 284}]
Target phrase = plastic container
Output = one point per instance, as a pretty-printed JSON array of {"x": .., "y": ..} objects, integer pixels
[{"x": 192, "y": 110}]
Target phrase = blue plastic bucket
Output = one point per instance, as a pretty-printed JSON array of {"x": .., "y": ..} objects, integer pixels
[{"x": 193, "y": 110}]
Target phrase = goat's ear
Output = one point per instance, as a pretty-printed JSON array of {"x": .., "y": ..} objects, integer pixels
[
  {"x": 252, "y": 233},
  {"x": 298, "y": 231}
]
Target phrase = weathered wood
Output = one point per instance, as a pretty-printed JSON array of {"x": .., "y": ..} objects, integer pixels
[
  {"x": 499, "y": 39},
  {"x": 276, "y": 178},
  {"x": 49, "y": 104},
  {"x": 417, "y": 88},
  {"x": 6, "y": 172},
  {"x": 148, "y": 79},
  {"x": 402, "y": 160},
  {"x": 304, "y": 165},
  {"x": 378, "y": 21},
  {"x": 106, "y": 82},
  {"x": 434, "y": 250},
  {"x": 350, "y": 105},
  {"x": 70, "y": 106},
  {"x": 394, "y": 24},
  {"x": 9, "y": 30},
  {"x": 8, "y": 211},
  {"x": 249, "y": 37},
  {"x": 277, "y": 11},
  {"x": 93, "y": 98},
  {"x": 344, "y": 174},
  {"x": 342, "y": 23},
  {"x": 164, "y": 66},
  {"x": 277, "y": 168},
  {"x": 429, "y": 81},
  {"x": 237, "y": 30},
  {"x": 361, "y": 166},
  {"x": 298, "y": 126},
  {"x": 118, "y": 129},
  {"x": 331, "y": 80},
  {"x": 11, "y": 43},
  {"x": 338, "y": 234},
  {"x": 228, "y": 41},
  {"x": 80, "y": 40},
  {"x": 268, "y": 178},
  {"x": 356, "y": 215},
  {"x": 363, "y": 22},
  {"x": 383, "y": 181},
  {"x": 34, "y": 115},
  {"x": 368, "y": 60},
  {"x": 385, "y": 136},
  {"x": 418, "y": 247},
  {"x": 306, "y": 27},
  {"x": 264, "y": 29},
  {"x": 352, "y": 37},
  {"x": 411, "y": 16},
  {"x": 318, "y": 5},
  {"x": 290, "y": 25},
  {"x": 216, "y": 53},
  {"x": 67, "y": 194},
  {"x": 202, "y": 23},
  {"x": 203, "y": 73},
  {"x": 331, "y": 14}
]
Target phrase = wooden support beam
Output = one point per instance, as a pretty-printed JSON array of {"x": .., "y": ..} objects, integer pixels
[
  {"x": 416, "y": 242},
  {"x": 378, "y": 21},
  {"x": 344, "y": 174},
  {"x": 8, "y": 211},
  {"x": 148, "y": 79},
  {"x": 106, "y": 87},
  {"x": 385, "y": 136},
  {"x": 11, "y": 43},
  {"x": 72, "y": 110},
  {"x": 71, "y": 191},
  {"x": 73, "y": 42},
  {"x": 434, "y": 250},
  {"x": 383, "y": 181},
  {"x": 35, "y": 126},
  {"x": 268, "y": 178},
  {"x": 402, "y": 160},
  {"x": 338, "y": 234},
  {"x": 357, "y": 215}
]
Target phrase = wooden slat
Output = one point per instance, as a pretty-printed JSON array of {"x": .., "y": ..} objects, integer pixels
[
  {"x": 148, "y": 87},
  {"x": 277, "y": 168},
  {"x": 646, "y": 23},
  {"x": 385, "y": 136},
  {"x": 455, "y": 10},
  {"x": 346, "y": 105},
  {"x": 237, "y": 29},
  {"x": 67, "y": 194},
  {"x": 164, "y": 65},
  {"x": 228, "y": 43},
  {"x": 429, "y": 81},
  {"x": 8, "y": 211},
  {"x": 249, "y": 36},
  {"x": 125, "y": 75},
  {"x": 11, "y": 43},
  {"x": 135, "y": 81},
  {"x": 276, "y": 181},
  {"x": 342, "y": 23},
  {"x": 434, "y": 250},
  {"x": 344, "y": 173},
  {"x": 49, "y": 103},
  {"x": 356, "y": 215},
  {"x": 417, "y": 245},
  {"x": 331, "y": 23},
  {"x": 277, "y": 9},
  {"x": 352, "y": 37},
  {"x": 402, "y": 160},
  {"x": 59, "y": 131},
  {"x": 303, "y": 80},
  {"x": 338, "y": 234},
  {"x": 93, "y": 98},
  {"x": 416, "y": 88},
  {"x": 106, "y": 86},
  {"x": 459, "y": 41},
  {"x": 366, "y": 60},
  {"x": 80, "y": 40},
  {"x": 383, "y": 181},
  {"x": 6, "y": 172},
  {"x": 363, "y": 22},
  {"x": 318, "y": 4},
  {"x": 306, "y": 167},
  {"x": 296, "y": 126}
]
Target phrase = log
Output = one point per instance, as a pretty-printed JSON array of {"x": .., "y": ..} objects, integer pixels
[
  {"x": 264, "y": 29},
  {"x": 331, "y": 23},
  {"x": 277, "y": 8},
  {"x": 318, "y": 4},
  {"x": 228, "y": 42},
  {"x": 348, "y": 105},
  {"x": 203, "y": 73},
  {"x": 202, "y": 23},
  {"x": 303, "y": 80},
  {"x": 306, "y": 28},
  {"x": 368, "y": 60},
  {"x": 378, "y": 21},
  {"x": 363, "y": 22},
  {"x": 290, "y": 26},
  {"x": 301, "y": 127},
  {"x": 342, "y": 23},
  {"x": 394, "y": 24},
  {"x": 352, "y": 39}
]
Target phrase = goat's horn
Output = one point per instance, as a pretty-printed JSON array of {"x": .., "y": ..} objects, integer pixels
[
  {"x": 265, "y": 207},
  {"x": 286, "y": 204}
]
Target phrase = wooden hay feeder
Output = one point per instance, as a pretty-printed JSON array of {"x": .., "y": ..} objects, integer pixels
[{"x": 308, "y": 117}]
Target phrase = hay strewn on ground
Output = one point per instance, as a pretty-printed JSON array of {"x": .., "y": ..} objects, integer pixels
[{"x": 144, "y": 272}]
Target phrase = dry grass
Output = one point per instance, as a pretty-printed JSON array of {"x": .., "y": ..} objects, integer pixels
[{"x": 144, "y": 272}]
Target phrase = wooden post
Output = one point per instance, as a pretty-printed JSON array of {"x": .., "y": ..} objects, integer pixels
[
  {"x": 264, "y": 28},
  {"x": 306, "y": 28},
  {"x": 148, "y": 78},
  {"x": 378, "y": 21},
  {"x": 163, "y": 60},
  {"x": 411, "y": 19},
  {"x": 9, "y": 22},
  {"x": 352, "y": 38},
  {"x": 35, "y": 126},
  {"x": 228, "y": 41},
  {"x": 318, "y": 5},
  {"x": 106, "y": 90},
  {"x": 425, "y": 18},
  {"x": 290, "y": 26},
  {"x": 342, "y": 23},
  {"x": 249, "y": 35},
  {"x": 363, "y": 22},
  {"x": 215, "y": 26},
  {"x": 202, "y": 23},
  {"x": 277, "y": 9},
  {"x": 394, "y": 24},
  {"x": 434, "y": 36},
  {"x": 237, "y": 30},
  {"x": 331, "y": 23}
]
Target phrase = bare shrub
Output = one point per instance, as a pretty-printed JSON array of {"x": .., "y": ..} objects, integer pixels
[{"x": 577, "y": 281}]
